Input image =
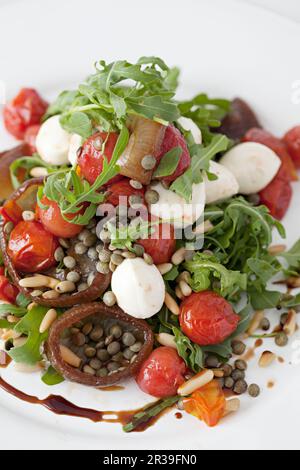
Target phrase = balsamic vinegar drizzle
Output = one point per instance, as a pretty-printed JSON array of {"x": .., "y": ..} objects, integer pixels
[{"x": 61, "y": 406}]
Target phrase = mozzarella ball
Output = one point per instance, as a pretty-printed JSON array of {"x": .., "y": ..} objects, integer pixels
[
  {"x": 254, "y": 166},
  {"x": 189, "y": 125},
  {"x": 74, "y": 146},
  {"x": 174, "y": 209},
  {"x": 222, "y": 188},
  {"x": 52, "y": 142},
  {"x": 139, "y": 288}
]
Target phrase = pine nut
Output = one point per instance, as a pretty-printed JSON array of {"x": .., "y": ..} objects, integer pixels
[
  {"x": 293, "y": 282},
  {"x": 165, "y": 339},
  {"x": 219, "y": 373},
  {"x": 203, "y": 228},
  {"x": 12, "y": 319},
  {"x": 178, "y": 293},
  {"x": 232, "y": 406},
  {"x": 31, "y": 306},
  {"x": 185, "y": 288},
  {"x": 184, "y": 276},
  {"x": 48, "y": 320},
  {"x": 255, "y": 322},
  {"x": 196, "y": 382},
  {"x": 65, "y": 286},
  {"x": 18, "y": 342},
  {"x": 50, "y": 294},
  {"x": 178, "y": 256},
  {"x": 276, "y": 249},
  {"x": 38, "y": 171},
  {"x": 69, "y": 357},
  {"x": 39, "y": 281},
  {"x": 36, "y": 293},
  {"x": 266, "y": 359},
  {"x": 172, "y": 304},
  {"x": 164, "y": 268},
  {"x": 290, "y": 325}
]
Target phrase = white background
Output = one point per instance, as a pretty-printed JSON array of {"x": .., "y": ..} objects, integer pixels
[{"x": 289, "y": 8}]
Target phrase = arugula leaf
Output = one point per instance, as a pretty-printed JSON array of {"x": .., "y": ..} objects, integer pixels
[
  {"x": 172, "y": 275},
  {"x": 27, "y": 163},
  {"x": 5, "y": 324},
  {"x": 205, "y": 269},
  {"x": 190, "y": 352},
  {"x": 77, "y": 123},
  {"x": 61, "y": 104},
  {"x": 51, "y": 377},
  {"x": 263, "y": 299},
  {"x": 201, "y": 157},
  {"x": 292, "y": 256},
  {"x": 22, "y": 300},
  {"x": 13, "y": 310},
  {"x": 149, "y": 413},
  {"x": 30, "y": 352},
  {"x": 168, "y": 163}
]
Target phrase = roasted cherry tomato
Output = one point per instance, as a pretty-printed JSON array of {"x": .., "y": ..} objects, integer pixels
[
  {"x": 91, "y": 157},
  {"x": 53, "y": 221},
  {"x": 31, "y": 247},
  {"x": 122, "y": 189},
  {"x": 174, "y": 138},
  {"x": 292, "y": 141},
  {"x": 207, "y": 318},
  {"x": 25, "y": 110},
  {"x": 8, "y": 292},
  {"x": 30, "y": 137},
  {"x": 11, "y": 211},
  {"x": 207, "y": 403},
  {"x": 263, "y": 137},
  {"x": 161, "y": 244},
  {"x": 162, "y": 373},
  {"x": 277, "y": 196}
]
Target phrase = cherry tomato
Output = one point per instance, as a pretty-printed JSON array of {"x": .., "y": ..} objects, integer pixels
[
  {"x": 8, "y": 292},
  {"x": 174, "y": 138},
  {"x": 31, "y": 248},
  {"x": 11, "y": 211},
  {"x": 161, "y": 244},
  {"x": 162, "y": 373},
  {"x": 292, "y": 141},
  {"x": 90, "y": 160},
  {"x": 263, "y": 137},
  {"x": 25, "y": 110},
  {"x": 208, "y": 403},
  {"x": 53, "y": 221},
  {"x": 207, "y": 318},
  {"x": 123, "y": 189},
  {"x": 277, "y": 196},
  {"x": 30, "y": 137}
]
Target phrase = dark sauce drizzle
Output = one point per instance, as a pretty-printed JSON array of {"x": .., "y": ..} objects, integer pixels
[{"x": 61, "y": 406}]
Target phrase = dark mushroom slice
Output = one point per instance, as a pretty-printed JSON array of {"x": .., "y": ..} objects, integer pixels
[
  {"x": 101, "y": 339},
  {"x": 6, "y": 159},
  {"x": 239, "y": 120},
  {"x": 25, "y": 199}
]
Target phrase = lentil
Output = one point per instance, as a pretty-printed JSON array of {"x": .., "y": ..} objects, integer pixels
[
  {"x": 92, "y": 253},
  {"x": 102, "y": 372},
  {"x": 88, "y": 370},
  {"x": 265, "y": 324},
  {"x": 116, "y": 331},
  {"x": 87, "y": 328},
  {"x": 80, "y": 248},
  {"x": 151, "y": 196},
  {"x": 103, "y": 355},
  {"x": 241, "y": 365},
  {"x": 73, "y": 276},
  {"x": 102, "y": 268},
  {"x": 128, "y": 339},
  {"x": 95, "y": 364},
  {"x": 212, "y": 362},
  {"x": 238, "y": 375},
  {"x": 240, "y": 387},
  {"x": 78, "y": 339},
  {"x": 135, "y": 184},
  {"x": 113, "y": 348},
  {"x": 281, "y": 339},
  {"x": 96, "y": 333},
  {"x": 59, "y": 254},
  {"x": 90, "y": 352},
  {"x": 148, "y": 162},
  {"x": 69, "y": 262},
  {"x": 254, "y": 390},
  {"x": 229, "y": 383},
  {"x": 238, "y": 347},
  {"x": 83, "y": 286}
]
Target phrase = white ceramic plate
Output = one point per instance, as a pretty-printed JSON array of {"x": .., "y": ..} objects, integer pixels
[{"x": 224, "y": 48}]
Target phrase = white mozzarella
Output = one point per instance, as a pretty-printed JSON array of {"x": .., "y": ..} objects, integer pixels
[
  {"x": 139, "y": 288},
  {"x": 254, "y": 166},
  {"x": 189, "y": 125},
  {"x": 74, "y": 146},
  {"x": 173, "y": 208},
  {"x": 52, "y": 142},
  {"x": 224, "y": 187}
]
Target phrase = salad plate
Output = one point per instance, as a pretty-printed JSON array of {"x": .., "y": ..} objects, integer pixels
[{"x": 218, "y": 54}]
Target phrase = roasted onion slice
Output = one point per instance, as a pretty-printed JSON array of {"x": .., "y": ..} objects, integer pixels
[
  {"x": 145, "y": 140},
  {"x": 6, "y": 159},
  {"x": 25, "y": 199},
  {"x": 239, "y": 120},
  {"x": 105, "y": 317}
]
